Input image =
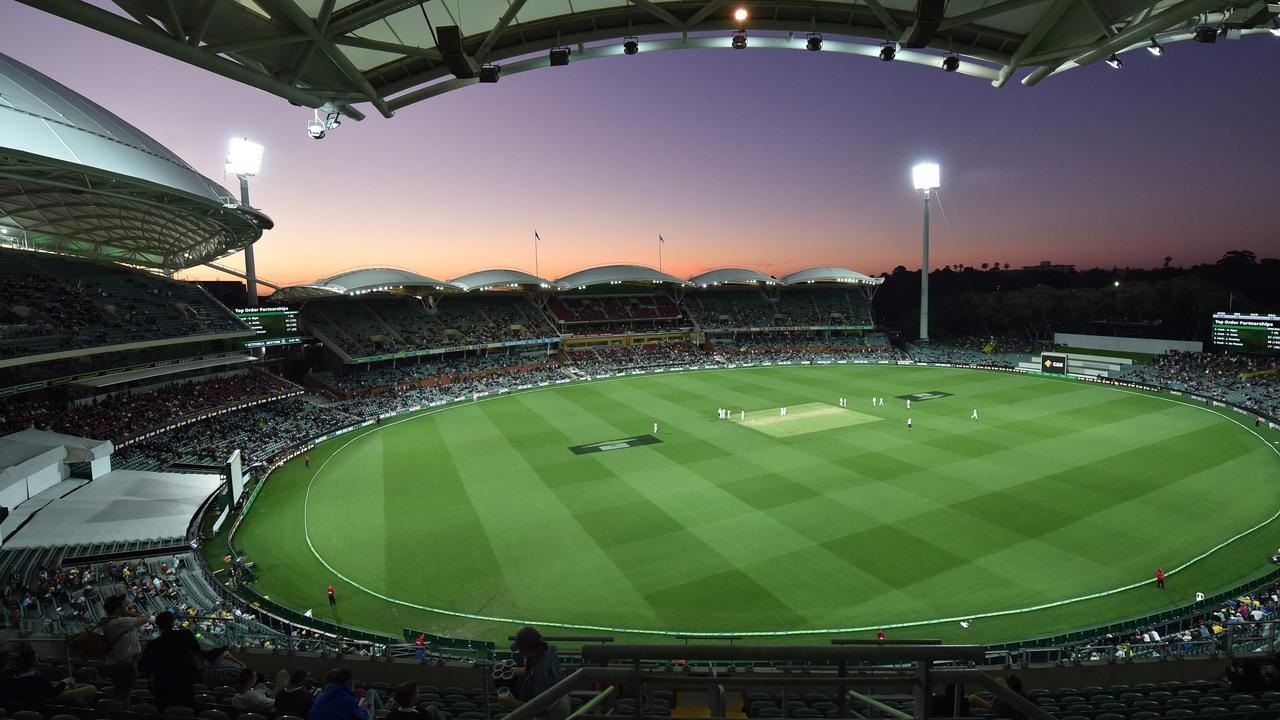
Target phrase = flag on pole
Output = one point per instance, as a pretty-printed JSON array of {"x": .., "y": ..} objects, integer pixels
[
  {"x": 660, "y": 240},
  {"x": 535, "y": 236}
]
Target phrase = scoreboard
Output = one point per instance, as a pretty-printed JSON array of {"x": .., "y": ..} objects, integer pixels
[
  {"x": 271, "y": 326},
  {"x": 1247, "y": 333}
]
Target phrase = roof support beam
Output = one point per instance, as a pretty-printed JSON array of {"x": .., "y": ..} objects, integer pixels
[
  {"x": 1029, "y": 44},
  {"x": 482, "y": 54},
  {"x": 309, "y": 51},
  {"x": 999, "y": 8},
  {"x": 895, "y": 30},
  {"x": 82, "y": 13},
  {"x": 396, "y": 48},
  {"x": 659, "y": 13},
  {"x": 1167, "y": 18},
  {"x": 1100, "y": 17},
  {"x": 703, "y": 14},
  {"x": 254, "y": 44},
  {"x": 370, "y": 14},
  {"x": 202, "y": 23},
  {"x": 236, "y": 273},
  {"x": 303, "y": 22}
]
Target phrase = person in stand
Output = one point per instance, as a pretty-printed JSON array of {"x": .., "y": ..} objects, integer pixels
[
  {"x": 333, "y": 600},
  {"x": 295, "y": 698},
  {"x": 1160, "y": 578},
  {"x": 337, "y": 701},
  {"x": 28, "y": 685},
  {"x": 248, "y": 696},
  {"x": 173, "y": 661},
  {"x": 121, "y": 628},
  {"x": 540, "y": 672}
]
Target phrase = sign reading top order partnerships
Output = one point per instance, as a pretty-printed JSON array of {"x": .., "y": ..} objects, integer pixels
[{"x": 1056, "y": 364}]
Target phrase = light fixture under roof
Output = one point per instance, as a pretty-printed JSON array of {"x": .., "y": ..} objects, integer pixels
[
  {"x": 1115, "y": 61},
  {"x": 1155, "y": 48},
  {"x": 740, "y": 14}
]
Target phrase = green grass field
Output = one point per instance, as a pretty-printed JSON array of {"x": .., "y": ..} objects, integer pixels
[{"x": 832, "y": 518}]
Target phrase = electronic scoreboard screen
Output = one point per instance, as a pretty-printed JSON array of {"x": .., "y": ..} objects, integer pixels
[
  {"x": 1247, "y": 333},
  {"x": 272, "y": 326}
]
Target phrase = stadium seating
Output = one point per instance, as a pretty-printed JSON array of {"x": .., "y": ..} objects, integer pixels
[
  {"x": 50, "y": 303},
  {"x": 128, "y": 414},
  {"x": 386, "y": 324}
]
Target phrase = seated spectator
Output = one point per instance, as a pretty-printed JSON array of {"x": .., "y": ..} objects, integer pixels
[
  {"x": 406, "y": 700},
  {"x": 26, "y": 684},
  {"x": 337, "y": 701},
  {"x": 249, "y": 696},
  {"x": 295, "y": 698},
  {"x": 221, "y": 668}
]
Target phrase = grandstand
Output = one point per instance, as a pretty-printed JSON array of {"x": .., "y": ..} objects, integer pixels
[{"x": 396, "y": 473}]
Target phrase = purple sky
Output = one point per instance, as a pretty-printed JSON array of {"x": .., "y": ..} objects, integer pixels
[{"x": 771, "y": 159}]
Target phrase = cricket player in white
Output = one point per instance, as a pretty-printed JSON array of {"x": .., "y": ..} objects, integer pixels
[
  {"x": 784, "y": 412},
  {"x": 743, "y": 415},
  {"x": 908, "y": 403},
  {"x": 974, "y": 416},
  {"x": 655, "y": 428},
  {"x": 908, "y": 423}
]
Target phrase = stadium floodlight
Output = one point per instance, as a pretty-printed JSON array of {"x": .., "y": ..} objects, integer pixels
[
  {"x": 244, "y": 160},
  {"x": 1275, "y": 27},
  {"x": 740, "y": 14},
  {"x": 951, "y": 63},
  {"x": 1155, "y": 48},
  {"x": 888, "y": 51},
  {"x": 1115, "y": 61},
  {"x": 244, "y": 157},
  {"x": 926, "y": 177},
  {"x": 1206, "y": 34},
  {"x": 814, "y": 43},
  {"x": 559, "y": 56},
  {"x": 490, "y": 73},
  {"x": 739, "y": 40},
  {"x": 630, "y": 45}
]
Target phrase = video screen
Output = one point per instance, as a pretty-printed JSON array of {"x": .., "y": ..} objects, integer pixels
[
  {"x": 273, "y": 326},
  {"x": 1247, "y": 333}
]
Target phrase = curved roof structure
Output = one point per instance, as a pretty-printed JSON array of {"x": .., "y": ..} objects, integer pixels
[
  {"x": 497, "y": 277},
  {"x": 732, "y": 276},
  {"x": 830, "y": 275},
  {"x": 392, "y": 53},
  {"x": 298, "y": 293},
  {"x": 74, "y": 178},
  {"x": 378, "y": 279},
  {"x": 616, "y": 275}
]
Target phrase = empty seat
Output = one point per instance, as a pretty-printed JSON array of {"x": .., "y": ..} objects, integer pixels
[{"x": 213, "y": 715}]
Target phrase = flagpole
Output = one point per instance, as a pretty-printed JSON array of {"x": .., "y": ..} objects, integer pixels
[
  {"x": 536, "y": 272},
  {"x": 659, "y": 253}
]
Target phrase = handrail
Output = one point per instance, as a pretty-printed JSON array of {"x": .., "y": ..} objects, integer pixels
[
  {"x": 602, "y": 654},
  {"x": 588, "y": 705},
  {"x": 872, "y": 702}
]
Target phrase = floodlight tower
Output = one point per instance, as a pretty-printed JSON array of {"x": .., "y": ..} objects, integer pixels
[
  {"x": 926, "y": 177},
  {"x": 244, "y": 160}
]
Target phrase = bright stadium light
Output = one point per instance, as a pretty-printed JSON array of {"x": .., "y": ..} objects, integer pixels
[
  {"x": 244, "y": 160},
  {"x": 1275, "y": 27},
  {"x": 926, "y": 177},
  {"x": 244, "y": 157},
  {"x": 740, "y": 14},
  {"x": 1155, "y": 48},
  {"x": 1115, "y": 61}
]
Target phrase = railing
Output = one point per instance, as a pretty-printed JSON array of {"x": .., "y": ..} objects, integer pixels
[{"x": 900, "y": 667}]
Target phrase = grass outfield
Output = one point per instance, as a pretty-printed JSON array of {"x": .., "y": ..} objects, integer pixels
[{"x": 1062, "y": 490}]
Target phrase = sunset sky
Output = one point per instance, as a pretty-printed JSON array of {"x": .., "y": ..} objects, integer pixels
[{"x": 775, "y": 160}]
